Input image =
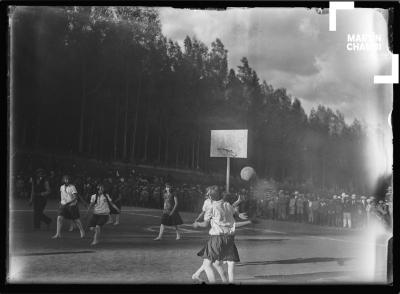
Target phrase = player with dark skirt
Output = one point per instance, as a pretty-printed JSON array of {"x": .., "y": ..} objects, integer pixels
[
  {"x": 207, "y": 205},
  {"x": 72, "y": 224},
  {"x": 170, "y": 216},
  {"x": 220, "y": 246},
  {"x": 101, "y": 203},
  {"x": 68, "y": 207}
]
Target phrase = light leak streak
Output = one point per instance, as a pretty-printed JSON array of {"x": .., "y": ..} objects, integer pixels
[{"x": 373, "y": 256}]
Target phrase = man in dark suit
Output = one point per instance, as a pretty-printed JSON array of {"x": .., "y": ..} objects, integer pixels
[{"x": 39, "y": 192}]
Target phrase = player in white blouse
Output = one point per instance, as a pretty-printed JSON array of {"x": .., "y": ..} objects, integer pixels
[{"x": 68, "y": 208}]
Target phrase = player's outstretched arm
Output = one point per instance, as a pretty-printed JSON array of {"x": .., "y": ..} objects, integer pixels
[
  {"x": 237, "y": 202},
  {"x": 200, "y": 216},
  {"x": 241, "y": 224},
  {"x": 203, "y": 224},
  {"x": 243, "y": 215}
]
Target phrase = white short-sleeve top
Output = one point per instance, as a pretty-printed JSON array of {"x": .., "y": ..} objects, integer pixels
[
  {"x": 68, "y": 194},
  {"x": 206, "y": 205},
  {"x": 221, "y": 217}
]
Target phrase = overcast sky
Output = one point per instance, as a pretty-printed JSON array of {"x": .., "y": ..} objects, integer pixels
[{"x": 293, "y": 48}]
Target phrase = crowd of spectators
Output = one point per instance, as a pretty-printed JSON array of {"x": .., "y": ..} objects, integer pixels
[
  {"x": 142, "y": 190},
  {"x": 337, "y": 211},
  {"x": 135, "y": 189}
]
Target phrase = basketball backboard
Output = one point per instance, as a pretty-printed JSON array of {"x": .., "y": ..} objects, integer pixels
[{"x": 228, "y": 143}]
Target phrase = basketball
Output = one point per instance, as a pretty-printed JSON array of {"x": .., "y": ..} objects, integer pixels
[{"x": 247, "y": 173}]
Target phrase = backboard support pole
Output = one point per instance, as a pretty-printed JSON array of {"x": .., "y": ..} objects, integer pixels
[{"x": 228, "y": 171}]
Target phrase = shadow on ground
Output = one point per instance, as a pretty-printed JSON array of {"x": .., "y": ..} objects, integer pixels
[
  {"x": 340, "y": 261},
  {"x": 53, "y": 253}
]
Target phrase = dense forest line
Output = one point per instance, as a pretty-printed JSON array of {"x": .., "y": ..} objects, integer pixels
[{"x": 105, "y": 83}]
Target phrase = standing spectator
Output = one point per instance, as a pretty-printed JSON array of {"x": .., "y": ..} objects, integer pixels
[
  {"x": 346, "y": 212},
  {"x": 369, "y": 209},
  {"x": 259, "y": 206},
  {"x": 264, "y": 207},
  {"x": 108, "y": 185},
  {"x": 331, "y": 211},
  {"x": 389, "y": 199},
  {"x": 382, "y": 211},
  {"x": 276, "y": 205},
  {"x": 323, "y": 212},
  {"x": 361, "y": 211},
  {"x": 125, "y": 192},
  {"x": 306, "y": 207},
  {"x": 292, "y": 206},
  {"x": 313, "y": 213},
  {"x": 281, "y": 205},
  {"x": 270, "y": 214},
  {"x": 155, "y": 196},
  {"x": 54, "y": 182},
  {"x": 136, "y": 194},
  {"x": 353, "y": 210},
  {"x": 299, "y": 208},
  {"x": 287, "y": 199},
  {"x": 338, "y": 211},
  {"x": 39, "y": 192}
]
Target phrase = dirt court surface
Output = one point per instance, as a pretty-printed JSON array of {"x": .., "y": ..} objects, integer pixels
[{"x": 271, "y": 252}]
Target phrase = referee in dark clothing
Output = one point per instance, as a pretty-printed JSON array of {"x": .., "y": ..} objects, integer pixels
[{"x": 39, "y": 193}]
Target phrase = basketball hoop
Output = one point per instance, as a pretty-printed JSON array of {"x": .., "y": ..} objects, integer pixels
[
  {"x": 229, "y": 144},
  {"x": 228, "y": 152}
]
